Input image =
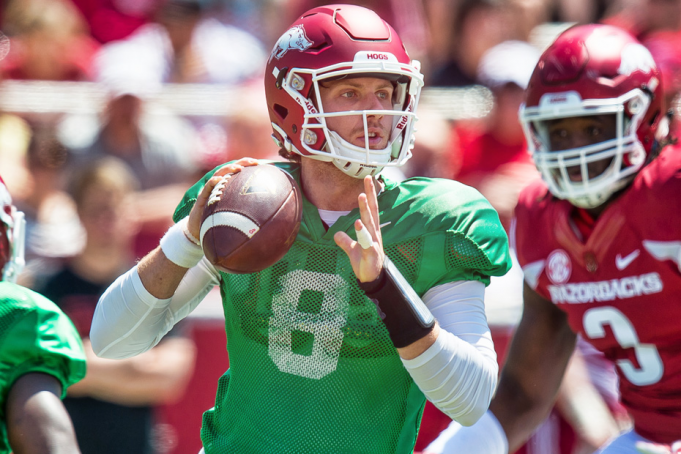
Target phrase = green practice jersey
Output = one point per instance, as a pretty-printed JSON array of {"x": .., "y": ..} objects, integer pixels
[
  {"x": 312, "y": 369},
  {"x": 35, "y": 336}
]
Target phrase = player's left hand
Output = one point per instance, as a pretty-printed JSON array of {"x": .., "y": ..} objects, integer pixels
[
  {"x": 366, "y": 258},
  {"x": 656, "y": 448}
]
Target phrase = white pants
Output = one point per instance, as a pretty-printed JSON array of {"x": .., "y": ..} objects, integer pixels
[{"x": 624, "y": 444}]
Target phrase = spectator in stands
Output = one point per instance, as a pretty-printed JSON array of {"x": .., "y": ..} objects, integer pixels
[
  {"x": 492, "y": 156},
  {"x": 158, "y": 147},
  {"x": 49, "y": 41},
  {"x": 110, "y": 20},
  {"x": 52, "y": 226},
  {"x": 112, "y": 407},
  {"x": 186, "y": 46},
  {"x": 664, "y": 47},
  {"x": 478, "y": 26},
  {"x": 248, "y": 129},
  {"x": 643, "y": 18}
]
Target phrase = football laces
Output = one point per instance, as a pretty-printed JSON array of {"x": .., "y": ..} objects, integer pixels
[{"x": 216, "y": 193}]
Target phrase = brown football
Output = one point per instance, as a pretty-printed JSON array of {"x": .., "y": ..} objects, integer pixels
[{"x": 251, "y": 220}]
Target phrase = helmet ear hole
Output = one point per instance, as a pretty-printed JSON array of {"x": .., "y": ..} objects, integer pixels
[
  {"x": 281, "y": 111},
  {"x": 653, "y": 119}
]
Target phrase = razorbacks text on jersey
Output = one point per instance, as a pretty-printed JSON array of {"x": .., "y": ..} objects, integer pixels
[
  {"x": 312, "y": 369},
  {"x": 620, "y": 288}
]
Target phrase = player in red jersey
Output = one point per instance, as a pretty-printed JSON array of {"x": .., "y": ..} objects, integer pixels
[{"x": 599, "y": 241}]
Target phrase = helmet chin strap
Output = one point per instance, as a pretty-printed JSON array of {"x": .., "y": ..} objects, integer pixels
[
  {"x": 595, "y": 200},
  {"x": 343, "y": 149}
]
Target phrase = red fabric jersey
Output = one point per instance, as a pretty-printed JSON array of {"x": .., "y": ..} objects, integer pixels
[
  {"x": 476, "y": 151},
  {"x": 620, "y": 288}
]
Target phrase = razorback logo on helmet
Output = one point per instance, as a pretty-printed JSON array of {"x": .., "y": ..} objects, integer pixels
[
  {"x": 635, "y": 57},
  {"x": 559, "y": 267},
  {"x": 589, "y": 292},
  {"x": 293, "y": 39}
]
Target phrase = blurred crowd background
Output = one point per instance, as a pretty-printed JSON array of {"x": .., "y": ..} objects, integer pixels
[{"x": 111, "y": 109}]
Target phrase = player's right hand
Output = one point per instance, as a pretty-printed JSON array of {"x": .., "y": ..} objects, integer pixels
[
  {"x": 195, "y": 216},
  {"x": 367, "y": 259}
]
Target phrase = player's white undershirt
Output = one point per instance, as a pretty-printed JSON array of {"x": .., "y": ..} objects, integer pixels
[
  {"x": 458, "y": 373},
  {"x": 330, "y": 217}
]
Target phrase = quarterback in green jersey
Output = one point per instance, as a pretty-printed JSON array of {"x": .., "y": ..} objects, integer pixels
[
  {"x": 377, "y": 305},
  {"x": 40, "y": 355}
]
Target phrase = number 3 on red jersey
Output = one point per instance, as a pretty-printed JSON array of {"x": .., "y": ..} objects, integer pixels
[{"x": 650, "y": 368}]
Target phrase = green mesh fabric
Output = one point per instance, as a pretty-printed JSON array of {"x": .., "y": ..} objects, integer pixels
[
  {"x": 9, "y": 315},
  {"x": 35, "y": 336},
  {"x": 464, "y": 254},
  {"x": 312, "y": 369},
  {"x": 310, "y": 365}
]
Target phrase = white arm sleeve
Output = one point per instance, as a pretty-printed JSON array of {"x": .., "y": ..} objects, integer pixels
[
  {"x": 129, "y": 320},
  {"x": 459, "y": 372}
]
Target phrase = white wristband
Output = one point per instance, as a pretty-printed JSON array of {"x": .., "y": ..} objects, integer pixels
[{"x": 178, "y": 248}]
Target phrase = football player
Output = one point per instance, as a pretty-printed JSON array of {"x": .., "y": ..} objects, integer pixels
[
  {"x": 599, "y": 241},
  {"x": 40, "y": 354},
  {"x": 316, "y": 366}
]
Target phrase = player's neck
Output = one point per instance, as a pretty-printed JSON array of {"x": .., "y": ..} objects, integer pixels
[
  {"x": 327, "y": 187},
  {"x": 596, "y": 212}
]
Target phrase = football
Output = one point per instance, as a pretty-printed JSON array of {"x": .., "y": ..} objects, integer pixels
[{"x": 251, "y": 219}]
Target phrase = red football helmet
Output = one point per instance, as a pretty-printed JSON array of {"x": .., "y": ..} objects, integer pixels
[
  {"x": 12, "y": 228},
  {"x": 594, "y": 70},
  {"x": 332, "y": 42}
]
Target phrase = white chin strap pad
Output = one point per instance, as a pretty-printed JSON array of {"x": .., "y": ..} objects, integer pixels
[
  {"x": 343, "y": 149},
  {"x": 357, "y": 170}
]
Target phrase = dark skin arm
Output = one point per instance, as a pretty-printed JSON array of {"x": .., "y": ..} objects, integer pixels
[
  {"x": 536, "y": 362},
  {"x": 37, "y": 422}
]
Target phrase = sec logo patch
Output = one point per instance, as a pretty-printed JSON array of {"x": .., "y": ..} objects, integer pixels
[{"x": 559, "y": 267}]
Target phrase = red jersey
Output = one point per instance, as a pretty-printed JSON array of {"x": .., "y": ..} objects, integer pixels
[{"x": 621, "y": 287}]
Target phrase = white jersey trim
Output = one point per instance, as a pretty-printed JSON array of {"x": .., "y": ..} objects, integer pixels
[{"x": 664, "y": 250}]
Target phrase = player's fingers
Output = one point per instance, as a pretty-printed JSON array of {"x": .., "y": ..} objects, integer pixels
[
  {"x": 216, "y": 181},
  {"x": 343, "y": 241},
  {"x": 365, "y": 215},
  {"x": 231, "y": 168},
  {"x": 363, "y": 236},
  {"x": 195, "y": 215},
  {"x": 246, "y": 162},
  {"x": 372, "y": 199}
]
